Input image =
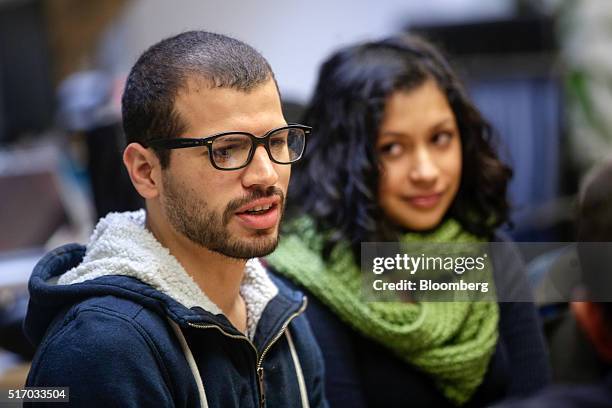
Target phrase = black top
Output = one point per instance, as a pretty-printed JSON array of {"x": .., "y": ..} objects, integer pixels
[
  {"x": 360, "y": 372},
  {"x": 596, "y": 395}
]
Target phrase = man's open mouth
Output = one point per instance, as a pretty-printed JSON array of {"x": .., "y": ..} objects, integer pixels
[
  {"x": 260, "y": 214},
  {"x": 261, "y": 209}
]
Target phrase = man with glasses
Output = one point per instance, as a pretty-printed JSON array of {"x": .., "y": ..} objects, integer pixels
[{"x": 171, "y": 306}]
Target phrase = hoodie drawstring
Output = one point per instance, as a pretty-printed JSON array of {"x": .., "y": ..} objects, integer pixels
[
  {"x": 298, "y": 371},
  {"x": 191, "y": 362}
]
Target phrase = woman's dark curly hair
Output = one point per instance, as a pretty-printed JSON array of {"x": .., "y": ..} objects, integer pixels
[{"x": 336, "y": 182}]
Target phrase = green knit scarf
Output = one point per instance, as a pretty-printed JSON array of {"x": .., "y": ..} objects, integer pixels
[{"x": 450, "y": 341}]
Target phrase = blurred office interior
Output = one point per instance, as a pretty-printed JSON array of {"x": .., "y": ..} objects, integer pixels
[{"x": 539, "y": 71}]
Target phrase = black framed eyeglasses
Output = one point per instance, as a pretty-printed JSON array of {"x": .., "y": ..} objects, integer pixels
[{"x": 234, "y": 150}]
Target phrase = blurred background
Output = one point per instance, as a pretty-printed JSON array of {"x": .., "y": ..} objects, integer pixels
[{"x": 539, "y": 70}]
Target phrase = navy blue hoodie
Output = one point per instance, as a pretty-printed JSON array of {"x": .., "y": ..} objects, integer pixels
[{"x": 122, "y": 324}]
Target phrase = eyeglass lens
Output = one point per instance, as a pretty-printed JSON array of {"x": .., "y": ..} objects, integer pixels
[{"x": 232, "y": 151}]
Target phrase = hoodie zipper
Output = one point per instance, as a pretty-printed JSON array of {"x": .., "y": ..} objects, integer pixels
[{"x": 259, "y": 366}]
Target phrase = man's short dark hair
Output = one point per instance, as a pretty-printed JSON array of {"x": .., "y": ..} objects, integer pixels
[{"x": 164, "y": 69}]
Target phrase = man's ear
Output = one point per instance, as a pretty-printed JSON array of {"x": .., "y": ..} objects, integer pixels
[
  {"x": 592, "y": 319},
  {"x": 144, "y": 169}
]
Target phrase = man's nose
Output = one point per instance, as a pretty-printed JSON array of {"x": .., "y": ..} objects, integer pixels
[{"x": 260, "y": 170}]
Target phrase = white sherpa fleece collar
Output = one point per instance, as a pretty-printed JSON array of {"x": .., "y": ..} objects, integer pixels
[{"x": 121, "y": 245}]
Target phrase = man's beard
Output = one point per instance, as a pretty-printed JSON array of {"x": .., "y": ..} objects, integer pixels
[{"x": 191, "y": 217}]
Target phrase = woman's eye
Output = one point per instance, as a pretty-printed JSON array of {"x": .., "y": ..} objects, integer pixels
[
  {"x": 442, "y": 138},
  {"x": 391, "y": 149}
]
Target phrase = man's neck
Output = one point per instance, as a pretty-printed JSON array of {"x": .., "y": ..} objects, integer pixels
[{"x": 217, "y": 275}]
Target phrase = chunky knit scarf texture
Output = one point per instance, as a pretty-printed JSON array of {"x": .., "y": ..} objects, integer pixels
[{"x": 450, "y": 341}]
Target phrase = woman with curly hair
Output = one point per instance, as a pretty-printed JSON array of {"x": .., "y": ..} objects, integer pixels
[{"x": 400, "y": 154}]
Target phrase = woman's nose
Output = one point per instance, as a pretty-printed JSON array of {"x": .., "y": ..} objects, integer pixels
[{"x": 424, "y": 168}]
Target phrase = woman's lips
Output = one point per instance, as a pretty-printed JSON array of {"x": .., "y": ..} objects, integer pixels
[{"x": 425, "y": 201}]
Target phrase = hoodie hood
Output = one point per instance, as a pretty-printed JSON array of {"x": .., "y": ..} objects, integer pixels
[{"x": 124, "y": 259}]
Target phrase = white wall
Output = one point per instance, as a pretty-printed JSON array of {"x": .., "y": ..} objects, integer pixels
[{"x": 295, "y": 36}]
